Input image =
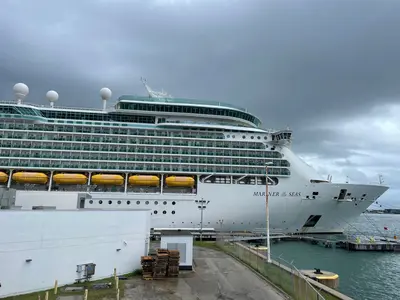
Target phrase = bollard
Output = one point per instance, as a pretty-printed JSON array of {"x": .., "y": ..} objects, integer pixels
[
  {"x": 117, "y": 296},
  {"x": 86, "y": 294},
  {"x": 115, "y": 273},
  {"x": 46, "y": 296},
  {"x": 55, "y": 287},
  {"x": 117, "y": 283}
]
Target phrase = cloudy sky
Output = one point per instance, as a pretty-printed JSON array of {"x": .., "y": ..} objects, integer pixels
[{"x": 328, "y": 69}]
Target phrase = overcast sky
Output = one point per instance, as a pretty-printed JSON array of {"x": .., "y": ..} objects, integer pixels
[{"x": 328, "y": 69}]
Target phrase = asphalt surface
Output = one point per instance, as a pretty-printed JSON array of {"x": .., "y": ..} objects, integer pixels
[{"x": 216, "y": 276}]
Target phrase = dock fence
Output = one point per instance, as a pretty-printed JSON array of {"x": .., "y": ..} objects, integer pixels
[{"x": 280, "y": 272}]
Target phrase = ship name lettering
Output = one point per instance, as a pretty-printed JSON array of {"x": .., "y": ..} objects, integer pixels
[
  {"x": 294, "y": 194},
  {"x": 277, "y": 194}
]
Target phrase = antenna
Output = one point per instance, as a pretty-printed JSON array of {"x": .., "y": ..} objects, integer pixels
[
  {"x": 105, "y": 94},
  {"x": 154, "y": 94},
  {"x": 380, "y": 179},
  {"x": 21, "y": 90},
  {"x": 52, "y": 96}
]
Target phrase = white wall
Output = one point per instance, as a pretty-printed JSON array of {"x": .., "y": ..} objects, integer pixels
[
  {"x": 57, "y": 241},
  {"x": 63, "y": 200},
  {"x": 188, "y": 240}
]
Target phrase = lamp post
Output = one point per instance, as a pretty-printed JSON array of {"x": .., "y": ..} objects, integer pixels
[
  {"x": 202, "y": 207},
  {"x": 267, "y": 211}
]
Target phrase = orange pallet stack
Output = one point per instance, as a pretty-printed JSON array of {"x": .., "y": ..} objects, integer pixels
[
  {"x": 160, "y": 264},
  {"x": 147, "y": 267},
  {"x": 173, "y": 263}
]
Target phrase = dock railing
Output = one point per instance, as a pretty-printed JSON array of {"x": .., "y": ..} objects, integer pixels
[{"x": 279, "y": 272}]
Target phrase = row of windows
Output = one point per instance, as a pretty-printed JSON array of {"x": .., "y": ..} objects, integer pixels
[
  {"x": 99, "y": 166},
  {"x": 198, "y": 134},
  {"x": 161, "y": 107},
  {"x": 131, "y": 150},
  {"x": 126, "y": 140},
  {"x": 139, "y": 158}
]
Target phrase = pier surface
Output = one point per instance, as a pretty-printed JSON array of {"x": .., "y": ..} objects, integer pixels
[{"x": 216, "y": 276}]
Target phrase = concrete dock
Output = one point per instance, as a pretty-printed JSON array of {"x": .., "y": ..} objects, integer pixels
[{"x": 216, "y": 276}]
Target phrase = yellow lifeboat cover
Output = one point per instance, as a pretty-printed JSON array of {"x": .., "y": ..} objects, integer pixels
[
  {"x": 3, "y": 177},
  {"x": 69, "y": 178},
  {"x": 180, "y": 181},
  {"x": 108, "y": 179},
  {"x": 30, "y": 177},
  {"x": 146, "y": 180}
]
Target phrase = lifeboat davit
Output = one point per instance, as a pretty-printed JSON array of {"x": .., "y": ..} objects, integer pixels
[
  {"x": 3, "y": 177},
  {"x": 30, "y": 177},
  {"x": 107, "y": 179},
  {"x": 68, "y": 178},
  {"x": 144, "y": 180},
  {"x": 179, "y": 181}
]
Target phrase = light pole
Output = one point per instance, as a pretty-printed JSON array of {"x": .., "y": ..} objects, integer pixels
[
  {"x": 267, "y": 211},
  {"x": 202, "y": 207}
]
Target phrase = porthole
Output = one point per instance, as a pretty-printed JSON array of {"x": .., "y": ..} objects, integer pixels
[
  {"x": 173, "y": 202},
  {"x": 164, "y": 212},
  {"x": 100, "y": 201},
  {"x": 265, "y": 137},
  {"x": 128, "y": 202},
  {"x": 155, "y": 212},
  {"x": 252, "y": 137},
  {"x": 228, "y": 136},
  {"x": 147, "y": 202},
  {"x": 165, "y": 202},
  {"x": 155, "y": 202},
  {"x": 244, "y": 136},
  {"x": 119, "y": 202},
  {"x": 233, "y": 136},
  {"x": 173, "y": 212},
  {"x": 91, "y": 201},
  {"x": 109, "y": 202},
  {"x": 259, "y": 137},
  {"x": 137, "y": 202}
]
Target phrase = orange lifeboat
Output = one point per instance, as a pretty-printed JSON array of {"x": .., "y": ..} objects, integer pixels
[
  {"x": 144, "y": 180},
  {"x": 68, "y": 178},
  {"x": 179, "y": 181},
  {"x": 3, "y": 177},
  {"x": 107, "y": 179},
  {"x": 30, "y": 177}
]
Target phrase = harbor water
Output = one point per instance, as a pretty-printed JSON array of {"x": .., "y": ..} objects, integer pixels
[{"x": 363, "y": 275}]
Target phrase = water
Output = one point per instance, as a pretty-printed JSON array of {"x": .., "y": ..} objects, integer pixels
[{"x": 363, "y": 275}]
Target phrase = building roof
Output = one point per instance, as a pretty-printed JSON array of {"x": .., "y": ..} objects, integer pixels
[{"x": 178, "y": 232}]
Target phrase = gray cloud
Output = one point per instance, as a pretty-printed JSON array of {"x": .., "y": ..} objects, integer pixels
[{"x": 293, "y": 63}]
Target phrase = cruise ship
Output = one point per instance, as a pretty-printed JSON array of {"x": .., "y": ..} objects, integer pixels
[{"x": 188, "y": 161}]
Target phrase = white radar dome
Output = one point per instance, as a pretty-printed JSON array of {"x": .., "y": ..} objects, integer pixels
[
  {"x": 21, "y": 90},
  {"x": 52, "y": 96},
  {"x": 105, "y": 93}
]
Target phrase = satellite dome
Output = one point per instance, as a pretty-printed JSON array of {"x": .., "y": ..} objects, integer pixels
[
  {"x": 52, "y": 96},
  {"x": 105, "y": 93},
  {"x": 21, "y": 90}
]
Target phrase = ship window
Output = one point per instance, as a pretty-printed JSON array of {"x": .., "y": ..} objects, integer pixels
[
  {"x": 173, "y": 202},
  {"x": 119, "y": 202},
  {"x": 173, "y": 212},
  {"x": 315, "y": 193},
  {"x": 165, "y": 202},
  {"x": 155, "y": 212},
  {"x": 100, "y": 201},
  {"x": 137, "y": 202},
  {"x": 252, "y": 137},
  {"x": 164, "y": 212},
  {"x": 244, "y": 136},
  {"x": 128, "y": 202},
  {"x": 91, "y": 201},
  {"x": 155, "y": 202},
  {"x": 147, "y": 202},
  {"x": 109, "y": 202},
  {"x": 258, "y": 137}
]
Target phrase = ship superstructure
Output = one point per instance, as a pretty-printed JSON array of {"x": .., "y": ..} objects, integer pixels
[{"x": 168, "y": 154}]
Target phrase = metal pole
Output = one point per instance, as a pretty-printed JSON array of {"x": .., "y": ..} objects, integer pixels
[
  {"x": 201, "y": 221},
  {"x": 267, "y": 212}
]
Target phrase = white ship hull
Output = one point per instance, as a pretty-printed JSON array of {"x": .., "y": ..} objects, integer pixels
[{"x": 232, "y": 206}]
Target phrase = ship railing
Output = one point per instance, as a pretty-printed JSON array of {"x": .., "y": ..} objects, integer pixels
[
  {"x": 55, "y": 107},
  {"x": 281, "y": 273}
]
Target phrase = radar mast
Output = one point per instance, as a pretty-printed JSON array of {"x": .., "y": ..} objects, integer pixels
[{"x": 154, "y": 94}]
